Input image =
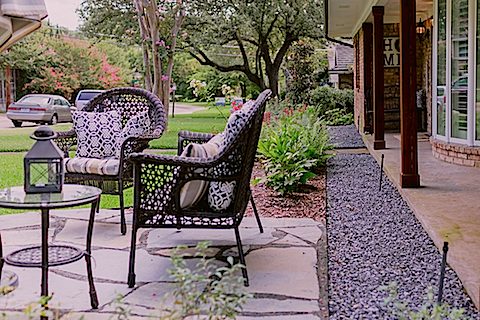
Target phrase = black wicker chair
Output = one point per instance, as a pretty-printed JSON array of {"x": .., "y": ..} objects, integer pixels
[
  {"x": 158, "y": 181},
  {"x": 128, "y": 102}
]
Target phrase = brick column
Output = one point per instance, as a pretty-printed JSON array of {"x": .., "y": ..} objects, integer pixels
[
  {"x": 378, "y": 79},
  {"x": 368, "y": 76},
  {"x": 409, "y": 177}
]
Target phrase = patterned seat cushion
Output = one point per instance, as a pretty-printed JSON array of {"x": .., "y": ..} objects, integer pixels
[
  {"x": 107, "y": 167},
  {"x": 194, "y": 190},
  {"x": 135, "y": 127},
  {"x": 97, "y": 133},
  {"x": 220, "y": 193}
]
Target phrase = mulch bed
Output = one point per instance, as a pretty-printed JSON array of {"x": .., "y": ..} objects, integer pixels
[{"x": 308, "y": 202}]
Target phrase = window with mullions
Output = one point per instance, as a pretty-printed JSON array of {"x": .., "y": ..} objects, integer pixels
[
  {"x": 459, "y": 67},
  {"x": 441, "y": 67},
  {"x": 477, "y": 98}
]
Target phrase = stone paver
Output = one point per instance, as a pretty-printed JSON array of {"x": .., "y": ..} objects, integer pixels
[
  {"x": 290, "y": 272},
  {"x": 281, "y": 262}
]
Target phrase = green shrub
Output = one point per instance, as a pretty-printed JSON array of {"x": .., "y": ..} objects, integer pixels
[
  {"x": 291, "y": 147},
  {"x": 429, "y": 310},
  {"x": 337, "y": 117},
  {"x": 327, "y": 98}
]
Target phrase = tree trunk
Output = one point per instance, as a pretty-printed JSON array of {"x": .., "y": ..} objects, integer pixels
[
  {"x": 273, "y": 82},
  {"x": 8, "y": 87},
  {"x": 145, "y": 37}
]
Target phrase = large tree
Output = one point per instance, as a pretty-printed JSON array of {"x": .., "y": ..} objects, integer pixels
[
  {"x": 261, "y": 32},
  {"x": 152, "y": 24}
]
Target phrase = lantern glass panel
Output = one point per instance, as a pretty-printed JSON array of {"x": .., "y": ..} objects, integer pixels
[{"x": 43, "y": 173}]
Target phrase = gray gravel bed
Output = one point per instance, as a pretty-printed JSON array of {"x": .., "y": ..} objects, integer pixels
[
  {"x": 345, "y": 137},
  {"x": 375, "y": 239}
]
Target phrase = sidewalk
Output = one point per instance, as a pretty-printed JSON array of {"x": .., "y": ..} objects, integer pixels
[
  {"x": 447, "y": 205},
  {"x": 282, "y": 264}
]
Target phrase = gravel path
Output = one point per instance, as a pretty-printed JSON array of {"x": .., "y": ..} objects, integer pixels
[
  {"x": 374, "y": 239},
  {"x": 345, "y": 137}
]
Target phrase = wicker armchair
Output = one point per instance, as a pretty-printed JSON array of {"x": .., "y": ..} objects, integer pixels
[
  {"x": 158, "y": 181},
  {"x": 128, "y": 102}
]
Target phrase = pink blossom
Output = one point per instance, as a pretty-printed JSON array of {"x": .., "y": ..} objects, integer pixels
[
  {"x": 160, "y": 43},
  {"x": 165, "y": 77}
]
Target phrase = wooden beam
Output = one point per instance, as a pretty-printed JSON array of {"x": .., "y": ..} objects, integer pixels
[
  {"x": 378, "y": 79},
  {"x": 409, "y": 177}
]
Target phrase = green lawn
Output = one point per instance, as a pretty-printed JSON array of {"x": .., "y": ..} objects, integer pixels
[
  {"x": 208, "y": 120},
  {"x": 17, "y": 139}
]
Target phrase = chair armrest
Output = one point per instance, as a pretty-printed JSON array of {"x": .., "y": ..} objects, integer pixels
[
  {"x": 186, "y": 137},
  {"x": 168, "y": 160},
  {"x": 65, "y": 140}
]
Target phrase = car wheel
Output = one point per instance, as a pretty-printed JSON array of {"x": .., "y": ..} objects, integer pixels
[
  {"x": 54, "y": 120},
  {"x": 17, "y": 124}
]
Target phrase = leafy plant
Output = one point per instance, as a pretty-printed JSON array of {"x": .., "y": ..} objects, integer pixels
[
  {"x": 206, "y": 290},
  {"x": 430, "y": 310},
  {"x": 337, "y": 117},
  {"x": 291, "y": 147},
  {"x": 325, "y": 98}
]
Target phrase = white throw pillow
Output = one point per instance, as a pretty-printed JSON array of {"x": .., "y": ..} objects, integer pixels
[
  {"x": 97, "y": 133},
  {"x": 194, "y": 190},
  {"x": 135, "y": 127}
]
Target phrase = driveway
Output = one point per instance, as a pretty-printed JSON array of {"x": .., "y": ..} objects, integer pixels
[{"x": 180, "y": 108}]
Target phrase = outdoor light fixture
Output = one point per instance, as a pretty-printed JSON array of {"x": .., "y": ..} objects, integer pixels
[
  {"x": 43, "y": 164},
  {"x": 421, "y": 27}
]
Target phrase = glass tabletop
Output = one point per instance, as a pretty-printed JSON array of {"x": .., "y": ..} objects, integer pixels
[{"x": 72, "y": 194}]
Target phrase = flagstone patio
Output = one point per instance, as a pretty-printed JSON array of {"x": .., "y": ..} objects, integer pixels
[{"x": 283, "y": 265}]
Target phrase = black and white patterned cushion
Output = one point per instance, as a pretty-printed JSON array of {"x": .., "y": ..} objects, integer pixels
[
  {"x": 220, "y": 193},
  {"x": 96, "y": 133},
  {"x": 194, "y": 190},
  {"x": 135, "y": 127}
]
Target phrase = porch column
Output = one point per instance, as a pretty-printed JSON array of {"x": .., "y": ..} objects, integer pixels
[
  {"x": 378, "y": 79},
  {"x": 368, "y": 76},
  {"x": 409, "y": 177}
]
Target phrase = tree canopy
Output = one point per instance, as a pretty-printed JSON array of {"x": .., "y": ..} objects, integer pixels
[
  {"x": 248, "y": 36},
  {"x": 50, "y": 62},
  {"x": 262, "y": 31}
]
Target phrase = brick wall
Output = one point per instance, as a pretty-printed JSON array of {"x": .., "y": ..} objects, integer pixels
[
  {"x": 392, "y": 80},
  {"x": 456, "y": 153},
  {"x": 392, "y": 86}
]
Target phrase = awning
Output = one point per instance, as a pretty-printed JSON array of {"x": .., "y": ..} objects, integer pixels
[{"x": 18, "y": 18}]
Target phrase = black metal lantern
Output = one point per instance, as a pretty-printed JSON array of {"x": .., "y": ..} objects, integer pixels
[{"x": 43, "y": 164}]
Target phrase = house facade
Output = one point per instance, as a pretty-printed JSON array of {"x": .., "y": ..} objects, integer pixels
[
  {"x": 441, "y": 58},
  {"x": 340, "y": 66}
]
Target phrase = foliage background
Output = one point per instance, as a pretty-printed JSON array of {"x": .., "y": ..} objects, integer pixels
[{"x": 53, "y": 61}]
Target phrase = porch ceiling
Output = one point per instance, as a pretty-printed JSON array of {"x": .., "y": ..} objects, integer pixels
[{"x": 345, "y": 17}]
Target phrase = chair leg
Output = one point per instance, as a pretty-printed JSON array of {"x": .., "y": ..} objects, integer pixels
[
  {"x": 242, "y": 257},
  {"x": 131, "y": 264},
  {"x": 254, "y": 207},
  {"x": 123, "y": 224},
  {"x": 98, "y": 205},
  {"x": 1, "y": 256}
]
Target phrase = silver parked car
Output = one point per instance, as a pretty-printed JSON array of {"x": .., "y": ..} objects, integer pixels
[
  {"x": 84, "y": 96},
  {"x": 40, "y": 108}
]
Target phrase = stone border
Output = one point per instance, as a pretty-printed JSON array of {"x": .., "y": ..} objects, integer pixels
[{"x": 456, "y": 153}]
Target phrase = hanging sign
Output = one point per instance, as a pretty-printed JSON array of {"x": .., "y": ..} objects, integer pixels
[{"x": 391, "y": 52}]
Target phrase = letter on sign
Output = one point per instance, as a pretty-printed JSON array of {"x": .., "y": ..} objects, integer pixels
[{"x": 391, "y": 52}]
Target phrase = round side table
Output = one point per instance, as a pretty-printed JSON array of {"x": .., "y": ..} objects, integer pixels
[{"x": 46, "y": 255}]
